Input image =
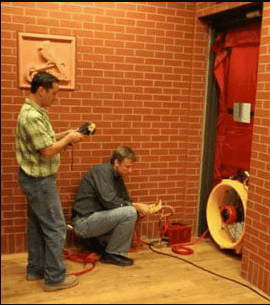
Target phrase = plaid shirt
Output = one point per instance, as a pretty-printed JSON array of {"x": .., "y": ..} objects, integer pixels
[{"x": 34, "y": 132}]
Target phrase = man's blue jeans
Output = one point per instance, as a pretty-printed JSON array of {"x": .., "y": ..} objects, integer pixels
[
  {"x": 113, "y": 228},
  {"x": 46, "y": 228}
]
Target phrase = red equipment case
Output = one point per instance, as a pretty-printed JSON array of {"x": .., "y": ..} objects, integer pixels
[{"x": 179, "y": 234}]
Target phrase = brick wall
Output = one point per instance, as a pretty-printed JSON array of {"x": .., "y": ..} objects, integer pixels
[
  {"x": 133, "y": 79},
  {"x": 256, "y": 257}
]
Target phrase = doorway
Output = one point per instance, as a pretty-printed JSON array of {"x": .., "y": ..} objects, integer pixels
[{"x": 218, "y": 113}]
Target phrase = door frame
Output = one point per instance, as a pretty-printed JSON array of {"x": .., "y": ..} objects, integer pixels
[
  {"x": 208, "y": 152},
  {"x": 218, "y": 23}
]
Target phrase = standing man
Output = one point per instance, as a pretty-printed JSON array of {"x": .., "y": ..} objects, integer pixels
[
  {"x": 103, "y": 208},
  {"x": 38, "y": 155}
]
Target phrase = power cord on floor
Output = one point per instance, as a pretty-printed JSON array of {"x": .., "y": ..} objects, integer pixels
[
  {"x": 93, "y": 258},
  {"x": 81, "y": 257},
  {"x": 150, "y": 245}
]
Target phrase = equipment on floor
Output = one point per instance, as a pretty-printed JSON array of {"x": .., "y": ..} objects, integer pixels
[
  {"x": 175, "y": 232},
  {"x": 154, "y": 208},
  {"x": 225, "y": 213},
  {"x": 179, "y": 233},
  {"x": 178, "y": 236}
]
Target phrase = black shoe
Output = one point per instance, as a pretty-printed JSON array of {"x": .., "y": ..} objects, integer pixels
[
  {"x": 127, "y": 259},
  {"x": 93, "y": 245},
  {"x": 118, "y": 260}
]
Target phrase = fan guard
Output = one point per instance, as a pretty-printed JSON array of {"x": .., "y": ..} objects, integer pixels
[{"x": 225, "y": 214}]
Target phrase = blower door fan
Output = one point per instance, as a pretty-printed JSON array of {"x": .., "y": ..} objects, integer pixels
[{"x": 225, "y": 214}]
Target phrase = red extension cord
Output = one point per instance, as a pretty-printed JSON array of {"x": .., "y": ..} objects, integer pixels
[
  {"x": 84, "y": 258},
  {"x": 93, "y": 258}
]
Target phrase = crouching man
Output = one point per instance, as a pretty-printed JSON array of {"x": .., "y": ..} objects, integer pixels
[{"x": 103, "y": 209}]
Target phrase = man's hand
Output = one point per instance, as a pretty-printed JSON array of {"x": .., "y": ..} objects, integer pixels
[
  {"x": 76, "y": 136},
  {"x": 148, "y": 209},
  {"x": 61, "y": 135},
  {"x": 71, "y": 137},
  {"x": 142, "y": 208}
]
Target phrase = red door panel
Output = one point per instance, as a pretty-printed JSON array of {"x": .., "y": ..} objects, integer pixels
[{"x": 236, "y": 65}]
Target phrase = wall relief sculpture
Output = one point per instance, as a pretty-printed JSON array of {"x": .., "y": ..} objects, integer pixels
[{"x": 54, "y": 54}]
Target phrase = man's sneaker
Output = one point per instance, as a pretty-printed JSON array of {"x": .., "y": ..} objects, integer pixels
[
  {"x": 69, "y": 281},
  {"x": 30, "y": 277}
]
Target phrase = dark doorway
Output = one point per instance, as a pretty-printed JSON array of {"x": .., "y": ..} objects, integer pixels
[{"x": 220, "y": 24}]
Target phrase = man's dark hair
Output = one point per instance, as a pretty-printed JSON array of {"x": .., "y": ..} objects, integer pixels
[
  {"x": 123, "y": 152},
  {"x": 43, "y": 79}
]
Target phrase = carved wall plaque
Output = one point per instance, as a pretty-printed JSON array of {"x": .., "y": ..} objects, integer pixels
[{"x": 50, "y": 53}]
